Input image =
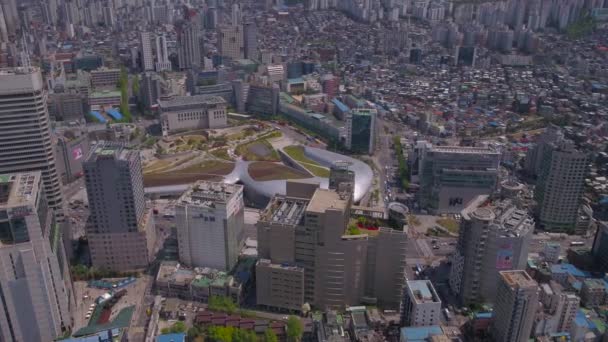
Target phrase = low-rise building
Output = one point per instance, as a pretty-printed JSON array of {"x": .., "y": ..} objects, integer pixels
[
  {"x": 421, "y": 304},
  {"x": 183, "y": 113},
  {"x": 593, "y": 293},
  {"x": 105, "y": 77},
  {"x": 198, "y": 284}
]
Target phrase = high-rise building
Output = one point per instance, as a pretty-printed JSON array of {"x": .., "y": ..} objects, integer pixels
[
  {"x": 309, "y": 255},
  {"x": 515, "y": 307},
  {"x": 209, "y": 219},
  {"x": 25, "y": 136},
  {"x": 34, "y": 279},
  {"x": 560, "y": 186},
  {"x": 120, "y": 228},
  {"x": 147, "y": 58},
  {"x": 452, "y": 176},
  {"x": 600, "y": 246},
  {"x": 262, "y": 99},
  {"x": 189, "y": 51},
  {"x": 230, "y": 42},
  {"x": 493, "y": 237},
  {"x": 361, "y": 129},
  {"x": 150, "y": 89},
  {"x": 162, "y": 56},
  {"x": 250, "y": 40},
  {"x": 421, "y": 304},
  {"x": 534, "y": 157}
]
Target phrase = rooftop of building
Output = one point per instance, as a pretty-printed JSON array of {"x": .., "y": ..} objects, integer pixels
[
  {"x": 175, "y": 273},
  {"x": 109, "y": 150},
  {"x": 209, "y": 194},
  {"x": 177, "y": 101},
  {"x": 18, "y": 189},
  {"x": 285, "y": 210},
  {"x": 104, "y": 69},
  {"x": 18, "y": 71},
  {"x": 569, "y": 269},
  {"x": 323, "y": 200},
  {"x": 509, "y": 220},
  {"x": 518, "y": 278},
  {"x": 104, "y": 94},
  {"x": 420, "y": 334},
  {"x": 464, "y": 150},
  {"x": 423, "y": 291},
  {"x": 364, "y": 111},
  {"x": 594, "y": 284},
  {"x": 283, "y": 266}
]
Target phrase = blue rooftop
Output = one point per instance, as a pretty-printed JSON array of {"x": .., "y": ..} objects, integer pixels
[
  {"x": 102, "y": 336},
  {"x": 171, "y": 338},
  {"x": 570, "y": 269},
  {"x": 341, "y": 106},
  {"x": 581, "y": 320},
  {"x": 420, "y": 334},
  {"x": 483, "y": 315},
  {"x": 295, "y": 80}
]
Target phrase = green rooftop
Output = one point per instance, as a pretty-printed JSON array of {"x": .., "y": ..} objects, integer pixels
[
  {"x": 202, "y": 282},
  {"x": 104, "y": 94},
  {"x": 5, "y": 178}
]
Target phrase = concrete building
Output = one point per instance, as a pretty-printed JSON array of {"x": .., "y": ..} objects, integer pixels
[
  {"x": 147, "y": 57},
  {"x": 209, "y": 219},
  {"x": 183, "y": 113},
  {"x": 120, "y": 228},
  {"x": 162, "y": 56},
  {"x": 593, "y": 293},
  {"x": 34, "y": 275},
  {"x": 150, "y": 89},
  {"x": 493, "y": 237},
  {"x": 360, "y": 130},
  {"x": 263, "y": 100},
  {"x": 452, "y": 176},
  {"x": 551, "y": 252},
  {"x": 421, "y": 304},
  {"x": 534, "y": 157},
  {"x": 71, "y": 148},
  {"x": 560, "y": 186},
  {"x": 67, "y": 107},
  {"x": 250, "y": 41},
  {"x": 188, "y": 43},
  {"x": 25, "y": 136},
  {"x": 303, "y": 239},
  {"x": 230, "y": 42},
  {"x": 559, "y": 309},
  {"x": 600, "y": 246},
  {"x": 515, "y": 307},
  {"x": 105, "y": 77}
]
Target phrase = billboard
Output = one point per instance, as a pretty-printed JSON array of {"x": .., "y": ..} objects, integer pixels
[
  {"x": 77, "y": 153},
  {"x": 504, "y": 257}
]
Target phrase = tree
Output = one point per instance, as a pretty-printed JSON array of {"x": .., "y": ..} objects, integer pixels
[
  {"x": 220, "y": 334},
  {"x": 294, "y": 329},
  {"x": 270, "y": 336},
  {"x": 222, "y": 303}
]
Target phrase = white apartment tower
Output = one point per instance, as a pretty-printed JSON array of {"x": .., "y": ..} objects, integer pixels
[
  {"x": 147, "y": 58},
  {"x": 120, "y": 228},
  {"x": 35, "y": 288},
  {"x": 515, "y": 307},
  {"x": 210, "y": 219},
  {"x": 25, "y": 136},
  {"x": 560, "y": 186}
]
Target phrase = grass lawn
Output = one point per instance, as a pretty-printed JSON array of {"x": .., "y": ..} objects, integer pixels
[
  {"x": 159, "y": 165},
  {"x": 257, "y": 150},
  {"x": 266, "y": 171},
  {"x": 208, "y": 170},
  {"x": 450, "y": 224},
  {"x": 297, "y": 153},
  {"x": 240, "y": 135},
  {"x": 221, "y": 153}
]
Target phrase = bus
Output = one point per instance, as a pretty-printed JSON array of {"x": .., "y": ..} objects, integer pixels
[{"x": 576, "y": 243}]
